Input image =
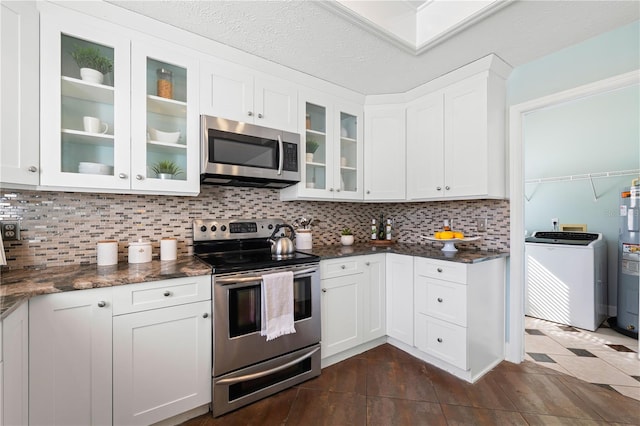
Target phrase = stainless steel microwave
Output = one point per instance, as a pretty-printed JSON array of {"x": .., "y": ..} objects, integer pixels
[{"x": 241, "y": 154}]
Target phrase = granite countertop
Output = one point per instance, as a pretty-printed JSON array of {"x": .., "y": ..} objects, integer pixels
[
  {"x": 419, "y": 250},
  {"x": 17, "y": 286}
]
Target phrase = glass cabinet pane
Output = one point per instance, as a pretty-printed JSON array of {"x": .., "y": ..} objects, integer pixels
[
  {"x": 166, "y": 120},
  {"x": 87, "y": 107},
  {"x": 316, "y": 146},
  {"x": 348, "y": 152}
]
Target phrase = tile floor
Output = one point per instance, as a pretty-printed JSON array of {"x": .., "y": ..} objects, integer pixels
[
  {"x": 386, "y": 386},
  {"x": 604, "y": 357}
]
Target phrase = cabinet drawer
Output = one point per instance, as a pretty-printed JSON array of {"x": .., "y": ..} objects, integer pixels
[
  {"x": 441, "y": 270},
  {"x": 442, "y": 340},
  {"x": 442, "y": 300},
  {"x": 340, "y": 267},
  {"x": 160, "y": 294}
]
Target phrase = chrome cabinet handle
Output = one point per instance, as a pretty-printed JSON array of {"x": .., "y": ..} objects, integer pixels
[
  {"x": 250, "y": 113},
  {"x": 439, "y": 269},
  {"x": 122, "y": 176},
  {"x": 205, "y": 315},
  {"x": 167, "y": 293},
  {"x": 447, "y": 187},
  {"x": 338, "y": 190},
  {"x": 33, "y": 169},
  {"x": 259, "y": 115},
  {"x": 324, "y": 290},
  {"x": 368, "y": 192},
  {"x": 438, "y": 188},
  {"x": 439, "y": 299},
  {"x": 102, "y": 304},
  {"x": 439, "y": 339},
  {"x": 342, "y": 266},
  {"x": 368, "y": 263},
  {"x": 330, "y": 189},
  {"x": 139, "y": 177}
]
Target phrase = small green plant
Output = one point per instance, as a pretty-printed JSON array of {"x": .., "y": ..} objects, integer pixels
[
  {"x": 166, "y": 167},
  {"x": 90, "y": 57},
  {"x": 312, "y": 146},
  {"x": 346, "y": 231}
]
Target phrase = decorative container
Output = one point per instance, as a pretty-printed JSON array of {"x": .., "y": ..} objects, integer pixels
[
  {"x": 346, "y": 240},
  {"x": 165, "y": 83},
  {"x": 304, "y": 239},
  {"x": 140, "y": 251},
  {"x": 107, "y": 252},
  {"x": 168, "y": 249}
]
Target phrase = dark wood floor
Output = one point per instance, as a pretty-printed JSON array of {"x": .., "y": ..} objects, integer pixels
[{"x": 386, "y": 386}]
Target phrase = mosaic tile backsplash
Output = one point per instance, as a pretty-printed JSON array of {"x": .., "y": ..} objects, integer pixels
[{"x": 60, "y": 228}]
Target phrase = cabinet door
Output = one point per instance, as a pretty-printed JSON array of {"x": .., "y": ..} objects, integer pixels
[
  {"x": 374, "y": 301},
  {"x": 19, "y": 97},
  {"x": 161, "y": 363},
  {"x": 226, "y": 91},
  {"x": 384, "y": 153},
  {"x": 318, "y": 158},
  {"x": 425, "y": 148},
  {"x": 341, "y": 313},
  {"x": 276, "y": 104},
  {"x": 165, "y": 119},
  {"x": 70, "y": 358},
  {"x": 348, "y": 152},
  {"x": 442, "y": 340},
  {"x": 466, "y": 162},
  {"x": 84, "y": 122},
  {"x": 15, "y": 346},
  {"x": 399, "y": 282}
]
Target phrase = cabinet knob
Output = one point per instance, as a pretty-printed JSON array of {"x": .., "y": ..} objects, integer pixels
[
  {"x": 250, "y": 113},
  {"x": 338, "y": 190},
  {"x": 342, "y": 267},
  {"x": 447, "y": 188},
  {"x": 439, "y": 299},
  {"x": 439, "y": 269},
  {"x": 368, "y": 263},
  {"x": 205, "y": 315},
  {"x": 167, "y": 293},
  {"x": 324, "y": 290},
  {"x": 260, "y": 115},
  {"x": 368, "y": 192},
  {"x": 122, "y": 175},
  {"x": 330, "y": 189},
  {"x": 139, "y": 177},
  {"x": 33, "y": 169},
  {"x": 102, "y": 304},
  {"x": 438, "y": 188},
  {"x": 439, "y": 339}
]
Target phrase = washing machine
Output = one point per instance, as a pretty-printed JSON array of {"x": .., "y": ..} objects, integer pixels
[{"x": 566, "y": 278}]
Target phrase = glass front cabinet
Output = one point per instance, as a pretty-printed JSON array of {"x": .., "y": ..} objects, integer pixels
[
  {"x": 332, "y": 151},
  {"x": 129, "y": 126}
]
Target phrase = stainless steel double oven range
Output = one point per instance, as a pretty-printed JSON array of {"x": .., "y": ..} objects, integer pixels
[{"x": 245, "y": 366}]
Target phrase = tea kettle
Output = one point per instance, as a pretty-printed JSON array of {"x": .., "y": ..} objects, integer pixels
[{"x": 283, "y": 245}]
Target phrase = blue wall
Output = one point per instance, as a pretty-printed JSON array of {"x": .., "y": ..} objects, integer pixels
[{"x": 596, "y": 134}]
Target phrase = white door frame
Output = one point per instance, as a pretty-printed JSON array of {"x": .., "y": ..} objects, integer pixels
[{"x": 514, "y": 349}]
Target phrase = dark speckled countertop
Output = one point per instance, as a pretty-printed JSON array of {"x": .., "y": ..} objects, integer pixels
[
  {"x": 17, "y": 286},
  {"x": 419, "y": 250}
]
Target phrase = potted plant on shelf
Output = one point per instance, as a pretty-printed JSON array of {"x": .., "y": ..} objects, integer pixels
[
  {"x": 166, "y": 169},
  {"x": 312, "y": 146},
  {"x": 346, "y": 237},
  {"x": 93, "y": 65}
]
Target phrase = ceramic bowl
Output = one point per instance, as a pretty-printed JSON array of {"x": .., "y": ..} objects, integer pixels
[{"x": 166, "y": 137}]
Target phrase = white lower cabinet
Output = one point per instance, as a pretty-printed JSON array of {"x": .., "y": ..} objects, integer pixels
[
  {"x": 70, "y": 358},
  {"x": 14, "y": 368},
  {"x": 399, "y": 297},
  {"x": 161, "y": 349},
  {"x": 459, "y": 314},
  {"x": 353, "y": 308}
]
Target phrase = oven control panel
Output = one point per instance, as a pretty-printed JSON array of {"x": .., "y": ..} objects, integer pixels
[{"x": 235, "y": 229}]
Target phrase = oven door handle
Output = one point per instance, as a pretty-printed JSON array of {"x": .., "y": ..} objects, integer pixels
[
  {"x": 255, "y": 278},
  {"x": 233, "y": 380}
]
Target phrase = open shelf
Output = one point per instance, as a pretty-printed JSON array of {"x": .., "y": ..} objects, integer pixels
[
  {"x": 79, "y": 89},
  {"x": 79, "y": 136},
  {"x": 167, "y": 147},
  {"x": 166, "y": 106}
]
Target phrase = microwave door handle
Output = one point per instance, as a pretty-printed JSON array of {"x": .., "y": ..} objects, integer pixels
[
  {"x": 281, "y": 159},
  {"x": 204, "y": 146}
]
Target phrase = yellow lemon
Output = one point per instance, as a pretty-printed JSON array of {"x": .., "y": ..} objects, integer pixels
[
  {"x": 458, "y": 235},
  {"x": 446, "y": 235},
  {"x": 437, "y": 235}
]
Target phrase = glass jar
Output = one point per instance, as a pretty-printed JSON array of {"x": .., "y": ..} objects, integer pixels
[{"x": 165, "y": 83}]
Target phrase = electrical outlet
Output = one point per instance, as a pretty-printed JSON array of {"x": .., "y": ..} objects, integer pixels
[
  {"x": 481, "y": 224},
  {"x": 555, "y": 224},
  {"x": 10, "y": 230}
]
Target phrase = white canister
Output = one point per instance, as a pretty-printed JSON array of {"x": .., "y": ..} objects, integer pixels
[
  {"x": 168, "y": 249},
  {"x": 304, "y": 239},
  {"x": 107, "y": 252},
  {"x": 139, "y": 251}
]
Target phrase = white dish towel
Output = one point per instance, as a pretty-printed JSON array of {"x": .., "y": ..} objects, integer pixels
[{"x": 277, "y": 305}]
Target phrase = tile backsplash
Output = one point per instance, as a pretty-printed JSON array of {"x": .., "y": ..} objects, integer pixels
[{"x": 59, "y": 228}]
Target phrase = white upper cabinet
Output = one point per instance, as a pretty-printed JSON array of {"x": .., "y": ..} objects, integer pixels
[
  {"x": 100, "y": 134},
  {"x": 384, "y": 152},
  {"x": 19, "y": 98},
  {"x": 238, "y": 93},
  {"x": 331, "y": 164},
  {"x": 455, "y": 141}
]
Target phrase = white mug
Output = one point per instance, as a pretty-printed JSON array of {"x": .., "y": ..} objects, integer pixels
[{"x": 94, "y": 125}]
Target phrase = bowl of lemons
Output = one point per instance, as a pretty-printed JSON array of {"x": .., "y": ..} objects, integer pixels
[{"x": 449, "y": 238}]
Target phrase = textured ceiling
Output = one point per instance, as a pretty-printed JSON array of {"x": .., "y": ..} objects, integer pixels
[{"x": 312, "y": 38}]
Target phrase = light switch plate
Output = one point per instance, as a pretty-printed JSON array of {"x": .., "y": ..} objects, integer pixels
[{"x": 481, "y": 224}]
